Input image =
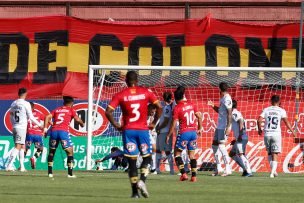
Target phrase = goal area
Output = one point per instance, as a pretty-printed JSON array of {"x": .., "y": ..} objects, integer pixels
[{"x": 251, "y": 87}]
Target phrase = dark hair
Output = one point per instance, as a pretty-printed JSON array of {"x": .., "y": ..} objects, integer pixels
[
  {"x": 67, "y": 100},
  {"x": 178, "y": 94},
  {"x": 131, "y": 77},
  {"x": 223, "y": 86},
  {"x": 234, "y": 104},
  {"x": 167, "y": 96},
  {"x": 181, "y": 88},
  {"x": 22, "y": 91},
  {"x": 275, "y": 99},
  {"x": 113, "y": 149},
  {"x": 32, "y": 104},
  {"x": 151, "y": 106}
]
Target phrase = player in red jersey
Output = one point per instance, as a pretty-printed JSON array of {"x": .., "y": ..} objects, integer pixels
[
  {"x": 34, "y": 135},
  {"x": 62, "y": 117},
  {"x": 188, "y": 117},
  {"x": 134, "y": 102}
]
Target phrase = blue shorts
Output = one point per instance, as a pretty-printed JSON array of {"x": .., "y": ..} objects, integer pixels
[
  {"x": 36, "y": 139},
  {"x": 187, "y": 139},
  {"x": 60, "y": 136},
  {"x": 135, "y": 142}
]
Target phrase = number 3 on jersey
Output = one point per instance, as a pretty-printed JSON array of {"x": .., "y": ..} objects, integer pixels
[
  {"x": 190, "y": 117},
  {"x": 135, "y": 111}
]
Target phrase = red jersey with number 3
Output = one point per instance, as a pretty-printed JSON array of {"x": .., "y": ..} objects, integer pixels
[
  {"x": 33, "y": 129},
  {"x": 134, "y": 105},
  {"x": 184, "y": 112},
  {"x": 62, "y": 118}
]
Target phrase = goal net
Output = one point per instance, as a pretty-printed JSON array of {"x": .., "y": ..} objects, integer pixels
[{"x": 251, "y": 87}]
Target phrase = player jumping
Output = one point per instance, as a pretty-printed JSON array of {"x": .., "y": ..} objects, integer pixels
[
  {"x": 272, "y": 131},
  {"x": 60, "y": 133},
  {"x": 135, "y": 134},
  {"x": 20, "y": 113},
  {"x": 237, "y": 152},
  {"x": 186, "y": 114},
  {"x": 223, "y": 128},
  {"x": 34, "y": 135}
]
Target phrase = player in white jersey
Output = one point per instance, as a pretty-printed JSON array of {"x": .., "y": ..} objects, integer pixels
[
  {"x": 237, "y": 152},
  {"x": 153, "y": 135},
  {"x": 20, "y": 113},
  {"x": 163, "y": 129},
  {"x": 223, "y": 129},
  {"x": 272, "y": 131}
]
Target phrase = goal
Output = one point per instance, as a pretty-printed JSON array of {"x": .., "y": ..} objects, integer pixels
[{"x": 251, "y": 87}]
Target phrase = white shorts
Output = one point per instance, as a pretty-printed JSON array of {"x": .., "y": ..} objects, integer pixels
[
  {"x": 161, "y": 144},
  {"x": 219, "y": 136},
  {"x": 153, "y": 139},
  {"x": 273, "y": 143},
  {"x": 239, "y": 147},
  {"x": 19, "y": 135}
]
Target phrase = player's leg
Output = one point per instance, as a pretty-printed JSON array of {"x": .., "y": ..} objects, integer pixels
[
  {"x": 216, "y": 153},
  {"x": 276, "y": 147},
  {"x": 21, "y": 158},
  {"x": 245, "y": 159},
  {"x": 37, "y": 140},
  {"x": 145, "y": 151},
  {"x": 67, "y": 145},
  {"x": 153, "y": 164},
  {"x": 53, "y": 144},
  {"x": 267, "y": 143},
  {"x": 192, "y": 145},
  {"x": 222, "y": 138},
  {"x": 235, "y": 155},
  {"x": 180, "y": 145},
  {"x": 131, "y": 152},
  {"x": 19, "y": 138},
  {"x": 160, "y": 147},
  {"x": 168, "y": 151}
]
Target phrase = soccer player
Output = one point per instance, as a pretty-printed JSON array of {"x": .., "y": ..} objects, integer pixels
[
  {"x": 272, "y": 131},
  {"x": 118, "y": 156},
  {"x": 223, "y": 129},
  {"x": 62, "y": 117},
  {"x": 34, "y": 135},
  {"x": 163, "y": 128},
  {"x": 153, "y": 135},
  {"x": 135, "y": 134},
  {"x": 186, "y": 114},
  {"x": 237, "y": 152},
  {"x": 20, "y": 113}
]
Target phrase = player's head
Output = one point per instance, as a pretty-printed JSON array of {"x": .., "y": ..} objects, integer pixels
[
  {"x": 234, "y": 104},
  {"x": 68, "y": 101},
  {"x": 151, "y": 109},
  {"x": 114, "y": 149},
  {"x": 32, "y": 105},
  {"x": 178, "y": 95},
  {"x": 181, "y": 88},
  {"x": 275, "y": 100},
  {"x": 22, "y": 92},
  {"x": 167, "y": 96},
  {"x": 223, "y": 86},
  {"x": 131, "y": 78}
]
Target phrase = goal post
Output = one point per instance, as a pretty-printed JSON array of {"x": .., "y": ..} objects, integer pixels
[{"x": 252, "y": 87}]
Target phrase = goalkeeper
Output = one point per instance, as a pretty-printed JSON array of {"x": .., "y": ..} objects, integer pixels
[{"x": 117, "y": 155}]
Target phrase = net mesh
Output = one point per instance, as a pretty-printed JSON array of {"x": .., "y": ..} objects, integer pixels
[{"x": 252, "y": 90}]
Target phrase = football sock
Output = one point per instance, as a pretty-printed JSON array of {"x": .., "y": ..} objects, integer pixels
[
  {"x": 246, "y": 163},
  {"x": 158, "y": 159},
  {"x": 216, "y": 156},
  {"x": 144, "y": 168},
  {"x": 70, "y": 162},
  {"x": 226, "y": 159},
  {"x": 180, "y": 164},
  {"x": 12, "y": 157},
  {"x": 21, "y": 158},
  {"x": 133, "y": 174},
  {"x": 50, "y": 164},
  {"x": 193, "y": 165},
  {"x": 239, "y": 161},
  {"x": 153, "y": 161},
  {"x": 274, "y": 167}
]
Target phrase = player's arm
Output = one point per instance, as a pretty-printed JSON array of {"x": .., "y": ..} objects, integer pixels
[
  {"x": 159, "y": 111},
  {"x": 215, "y": 108},
  {"x": 287, "y": 123},
  {"x": 172, "y": 128},
  {"x": 229, "y": 121},
  {"x": 47, "y": 120},
  {"x": 110, "y": 117},
  {"x": 31, "y": 116},
  {"x": 79, "y": 120},
  {"x": 259, "y": 122},
  {"x": 198, "y": 115}
]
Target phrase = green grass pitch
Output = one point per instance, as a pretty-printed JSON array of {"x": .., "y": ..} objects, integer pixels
[{"x": 106, "y": 186}]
